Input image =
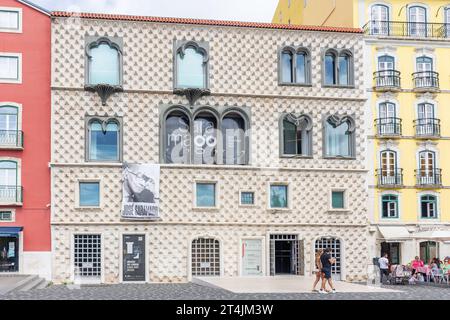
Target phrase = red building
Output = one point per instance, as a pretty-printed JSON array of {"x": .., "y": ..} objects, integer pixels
[{"x": 25, "y": 240}]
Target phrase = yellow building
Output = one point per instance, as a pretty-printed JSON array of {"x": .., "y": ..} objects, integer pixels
[{"x": 407, "y": 70}]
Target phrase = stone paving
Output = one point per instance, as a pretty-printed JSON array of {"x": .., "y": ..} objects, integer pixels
[{"x": 192, "y": 291}]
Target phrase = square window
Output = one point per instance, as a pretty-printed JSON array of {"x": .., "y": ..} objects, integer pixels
[
  {"x": 278, "y": 196},
  {"x": 247, "y": 198},
  {"x": 6, "y": 216},
  {"x": 9, "y": 68},
  {"x": 89, "y": 194},
  {"x": 206, "y": 195},
  {"x": 337, "y": 200},
  {"x": 9, "y": 20}
]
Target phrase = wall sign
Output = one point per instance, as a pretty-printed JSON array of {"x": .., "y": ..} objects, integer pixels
[{"x": 133, "y": 247}]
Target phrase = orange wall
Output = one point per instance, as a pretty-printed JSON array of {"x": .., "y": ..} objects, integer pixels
[{"x": 34, "y": 95}]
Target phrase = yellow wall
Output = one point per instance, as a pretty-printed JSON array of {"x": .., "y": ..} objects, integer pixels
[
  {"x": 294, "y": 13},
  {"x": 408, "y": 147}
]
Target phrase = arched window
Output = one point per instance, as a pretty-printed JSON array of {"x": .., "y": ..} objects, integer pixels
[
  {"x": 427, "y": 168},
  {"x": 191, "y": 65},
  {"x": 330, "y": 68},
  {"x": 10, "y": 192},
  {"x": 296, "y": 135},
  {"x": 428, "y": 207},
  {"x": 104, "y": 62},
  {"x": 104, "y": 139},
  {"x": 295, "y": 66},
  {"x": 380, "y": 19},
  {"x": 178, "y": 138},
  {"x": 386, "y": 63},
  {"x": 234, "y": 139},
  {"x": 417, "y": 16},
  {"x": 9, "y": 125},
  {"x": 205, "y": 257},
  {"x": 388, "y": 123},
  {"x": 344, "y": 69},
  {"x": 389, "y": 206},
  {"x": 424, "y": 64},
  {"x": 205, "y": 138},
  {"x": 339, "y": 137}
]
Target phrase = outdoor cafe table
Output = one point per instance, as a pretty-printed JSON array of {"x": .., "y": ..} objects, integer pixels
[{"x": 423, "y": 270}]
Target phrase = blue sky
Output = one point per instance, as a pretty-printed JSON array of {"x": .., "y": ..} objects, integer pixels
[{"x": 240, "y": 10}]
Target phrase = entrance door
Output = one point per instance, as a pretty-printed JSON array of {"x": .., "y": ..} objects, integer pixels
[
  {"x": 251, "y": 257},
  {"x": 335, "y": 246},
  {"x": 133, "y": 253},
  {"x": 428, "y": 251},
  {"x": 285, "y": 255},
  {"x": 393, "y": 251},
  {"x": 9, "y": 253}
]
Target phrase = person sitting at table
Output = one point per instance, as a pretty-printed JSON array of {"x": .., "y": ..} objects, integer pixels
[
  {"x": 415, "y": 264},
  {"x": 434, "y": 268}
]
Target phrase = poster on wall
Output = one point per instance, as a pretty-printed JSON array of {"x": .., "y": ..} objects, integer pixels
[
  {"x": 140, "y": 191},
  {"x": 133, "y": 257}
]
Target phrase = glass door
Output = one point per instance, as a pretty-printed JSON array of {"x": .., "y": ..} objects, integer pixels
[
  {"x": 426, "y": 117},
  {"x": 380, "y": 20},
  {"x": 8, "y": 126},
  {"x": 426, "y": 166},
  {"x": 388, "y": 167},
  {"x": 418, "y": 21},
  {"x": 388, "y": 119}
]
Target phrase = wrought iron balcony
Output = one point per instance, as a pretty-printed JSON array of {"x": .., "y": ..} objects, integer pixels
[
  {"x": 407, "y": 29},
  {"x": 427, "y": 128},
  {"x": 426, "y": 81},
  {"x": 11, "y": 139},
  {"x": 387, "y": 80},
  {"x": 388, "y": 127},
  {"x": 390, "y": 178},
  {"x": 429, "y": 178},
  {"x": 11, "y": 194}
]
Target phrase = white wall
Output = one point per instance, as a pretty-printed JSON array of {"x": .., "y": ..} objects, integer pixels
[{"x": 37, "y": 263}]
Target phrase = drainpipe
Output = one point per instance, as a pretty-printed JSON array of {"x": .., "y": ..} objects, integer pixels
[{"x": 331, "y": 12}]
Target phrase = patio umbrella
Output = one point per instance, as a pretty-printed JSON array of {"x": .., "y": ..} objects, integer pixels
[{"x": 438, "y": 235}]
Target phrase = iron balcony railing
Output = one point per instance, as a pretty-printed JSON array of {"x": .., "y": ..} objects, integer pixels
[
  {"x": 390, "y": 178},
  {"x": 389, "y": 127},
  {"x": 429, "y": 177},
  {"x": 427, "y": 127},
  {"x": 407, "y": 29},
  {"x": 11, "y": 138},
  {"x": 387, "y": 80},
  {"x": 11, "y": 194},
  {"x": 426, "y": 80}
]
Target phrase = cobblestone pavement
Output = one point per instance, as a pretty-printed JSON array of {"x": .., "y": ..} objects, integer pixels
[{"x": 192, "y": 291}]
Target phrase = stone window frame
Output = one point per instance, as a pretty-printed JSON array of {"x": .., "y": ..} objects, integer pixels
[
  {"x": 310, "y": 129},
  {"x": 294, "y": 50},
  {"x": 104, "y": 120},
  {"x": 78, "y": 205},
  {"x": 437, "y": 206},
  {"x": 17, "y": 10},
  {"x": 240, "y": 198},
  {"x": 337, "y": 53},
  {"x": 289, "y": 196},
  {"x": 95, "y": 41},
  {"x": 219, "y": 113},
  {"x": 216, "y": 184},
  {"x": 19, "y": 57},
  {"x": 398, "y": 205},
  {"x": 352, "y": 128},
  {"x": 12, "y": 212},
  {"x": 345, "y": 199},
  {"x": 200, "y": 46}
]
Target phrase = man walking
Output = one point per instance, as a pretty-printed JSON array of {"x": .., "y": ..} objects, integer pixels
[
  {"x": 327, "y": 261},
  {"x": 383, "y": 262}
]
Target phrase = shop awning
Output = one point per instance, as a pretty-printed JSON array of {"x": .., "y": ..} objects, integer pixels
[
  {"x": 394, "y": 234},
  {"x": 10, "y": 231},
  {"x": 437, "y": 235}
]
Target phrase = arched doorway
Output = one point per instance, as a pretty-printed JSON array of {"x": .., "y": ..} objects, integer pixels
[
  {"x": 205, "y": 257},
  {"x": 428, "y": 251}
]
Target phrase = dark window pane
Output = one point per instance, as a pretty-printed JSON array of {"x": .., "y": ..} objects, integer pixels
[
  {"x": 178, "y": 139},
  {"x": 301, "y": 68},
  {"x": 104, "y": 145},
  {"x": 233, "y": 131},
  {"x": 278, "y": 196},
  {"x": 290, "y": 137},
  {"x": 330, "y": 69},
  {"x": 247, "y": 198},
  {"x": 338, "y": 200},
  {"x": 286, "y": 67}
]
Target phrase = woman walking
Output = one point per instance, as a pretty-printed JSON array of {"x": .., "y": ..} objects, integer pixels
[{"x": 318, "y": 269}]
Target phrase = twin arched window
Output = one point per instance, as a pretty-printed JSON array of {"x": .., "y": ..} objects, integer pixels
[
  {"x": 104, "y": 139},
  {"x": 338, "y": 68},
  {"x": 206, "y": 136},
  {"x": 191, "y": 68},
  {"x": 295, "y": 66},
  {"x": 104, "y": 61},
  {"x": 296, "y": 135},
  {"x": 339, "y": 137}
]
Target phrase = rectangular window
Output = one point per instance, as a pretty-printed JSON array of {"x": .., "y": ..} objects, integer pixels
[
  {"x": 6, "y": 216},
  {"x": 337, "y": 200},
  {"x": 9, "y": 68},
  {"x": 279, "y": 196},
  {"x": 247, "y": 198},
  {"x": 10, "y": 20},
  {"x": 205, "y": 195},
  {"x": 89, "y": 194}
]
